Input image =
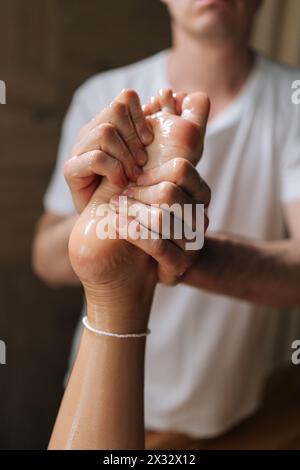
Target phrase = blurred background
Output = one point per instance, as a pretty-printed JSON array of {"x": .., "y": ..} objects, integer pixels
[{"x": 47, "y": 49}]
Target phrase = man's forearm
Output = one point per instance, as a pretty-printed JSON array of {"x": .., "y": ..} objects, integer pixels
[
  {"x": 266, "y": 273},
  {"x": 50, "y": 252}
]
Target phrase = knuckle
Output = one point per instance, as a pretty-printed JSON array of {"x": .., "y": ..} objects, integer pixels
[
  {"x": 105, "y": 131},
  {"x": 178, "y": 267},
  {"x": 167, "y": 191},
  {"x": 159, "y": 248},
  {"x": 67, "y": 170},
  {"x": 117, "y": 173},
  {"x": 132, "y": 139},
  {"x": 120, "y": 109},
  {"x": 95, "y": 157},
  {"x": 156, "y": 219},
  {"x": 139, "y": 119},
  {"x": 182, "y": 168},
  {"x": 182, "y": 265},
  {"x": 118, "y": 167}
]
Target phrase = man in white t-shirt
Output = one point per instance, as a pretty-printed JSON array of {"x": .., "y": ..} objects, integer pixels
[{"x": 217, "y": 336}]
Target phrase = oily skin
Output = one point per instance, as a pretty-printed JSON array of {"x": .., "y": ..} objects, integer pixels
[
  {"x": 103, "y": 404},
  {"x": 174, "y": 136}
]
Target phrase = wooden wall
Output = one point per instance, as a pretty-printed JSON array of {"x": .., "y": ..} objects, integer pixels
[{"x": 47, "y": 48}]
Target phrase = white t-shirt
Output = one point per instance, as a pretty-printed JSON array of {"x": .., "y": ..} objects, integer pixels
[{"x": 208, "y": 356}]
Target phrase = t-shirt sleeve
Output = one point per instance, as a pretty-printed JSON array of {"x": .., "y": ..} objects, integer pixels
[
  {"x": 57, "y": 198},
  {"x": 290, "y": 165}
]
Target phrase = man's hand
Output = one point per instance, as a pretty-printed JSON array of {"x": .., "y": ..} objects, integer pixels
[
  {"x": 175, "y": 182},
  {"x": 111, "y": 145},
  {"x": 112, "y": 268},
  {"x": 179, "y": 123}
]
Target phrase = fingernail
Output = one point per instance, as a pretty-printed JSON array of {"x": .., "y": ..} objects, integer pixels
[{"x": 141, "y": 157}]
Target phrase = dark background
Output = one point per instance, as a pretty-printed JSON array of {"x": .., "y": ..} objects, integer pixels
[{"x": 47, "y": 48}]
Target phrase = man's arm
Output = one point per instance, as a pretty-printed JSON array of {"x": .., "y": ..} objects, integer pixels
[
  {"x": 266, "y": 273},
  {"x": 50, "y": 259}
]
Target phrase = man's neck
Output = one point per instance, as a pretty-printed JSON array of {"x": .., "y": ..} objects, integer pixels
[{"x": 219, "y": 69}]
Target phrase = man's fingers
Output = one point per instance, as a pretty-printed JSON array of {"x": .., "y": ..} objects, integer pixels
[
  {"x": 173, "y": 262},
  {"x": 161, "y": 193},
  {"x": 83, "y": 174},
  {"x": 126, "y": 114},
  {"x": 157, "y": 220},
  {"x": 80, "y": 171},
  {"x": 121, "y": 118},
  {"x": 132, "y": 100},
  {"x": 182, "y": 173},
  {"x": 106, "y": 138},
  {"x": 170, "y": 198}
]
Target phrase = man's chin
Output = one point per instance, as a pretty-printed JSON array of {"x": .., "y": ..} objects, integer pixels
[{"x": 211, "y": 27}]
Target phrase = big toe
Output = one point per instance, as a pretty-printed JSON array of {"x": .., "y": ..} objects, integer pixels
[{"x": 195, "y": 108}]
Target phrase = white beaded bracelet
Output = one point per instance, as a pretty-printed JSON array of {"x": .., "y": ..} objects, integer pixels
[{"x": 114, "y": 335}]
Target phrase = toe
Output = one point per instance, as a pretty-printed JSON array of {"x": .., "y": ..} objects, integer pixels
[
  {"x": 167, "y": 101},
  {"x": 195, "y": 108},
  {"x": 152, "y": 107},
  {"x": 179, "y": 97}
]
